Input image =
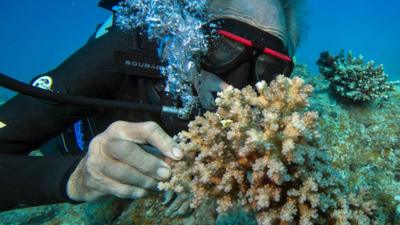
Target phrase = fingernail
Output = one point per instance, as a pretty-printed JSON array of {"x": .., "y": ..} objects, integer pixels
[
  {"x": 163, "y": 172},
  {"x": 177, "y": 153}
]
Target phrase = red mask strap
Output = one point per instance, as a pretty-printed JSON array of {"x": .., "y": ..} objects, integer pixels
[{"x": 249, "y": 43}]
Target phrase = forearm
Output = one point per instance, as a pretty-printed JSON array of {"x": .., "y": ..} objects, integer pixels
[
  {"x": 28, "y": 123},
  {"x": 30, "y": 181}
]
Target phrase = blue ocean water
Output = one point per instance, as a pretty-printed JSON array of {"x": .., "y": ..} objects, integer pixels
[
  {"x": 38, "y": 35},
  {"x": 370, "y": 28}
]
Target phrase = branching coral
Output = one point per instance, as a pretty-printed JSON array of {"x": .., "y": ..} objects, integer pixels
[
  {"x": 353, "y": 79},
  {"x": 260, "y": 149}
]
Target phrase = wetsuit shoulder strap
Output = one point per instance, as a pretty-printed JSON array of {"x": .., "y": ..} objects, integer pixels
[{"x": 142, "y": 60}]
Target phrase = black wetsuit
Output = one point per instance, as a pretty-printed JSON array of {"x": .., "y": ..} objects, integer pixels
[{"x": 31, "y": 122}]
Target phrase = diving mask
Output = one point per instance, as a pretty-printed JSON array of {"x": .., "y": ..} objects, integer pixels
[{"x": 238, "y": 43}]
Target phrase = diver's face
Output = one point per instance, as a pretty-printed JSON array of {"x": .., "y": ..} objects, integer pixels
[
  {"x": 239, "y": 55},
  {"x": 207, "y": 85},
  {"x": 243, "y": 55}
]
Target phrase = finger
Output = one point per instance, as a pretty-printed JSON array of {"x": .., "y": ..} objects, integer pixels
[
  {"x": 126, "y": 174},
  {"x": 168, "y": 197},
  {"x": 107, "y": 185},
  {"x": 131, "y": 154},
  {"x": 168, "y": 160},
  {"x": 91, "y": 195},
  {"x": 183, "y": 210},
  {"x": 176, "y": 204},
  {"x": 153, "y": 151},
  {"x": 146, "y": 132},
  {"x": 158, "y": 138}
]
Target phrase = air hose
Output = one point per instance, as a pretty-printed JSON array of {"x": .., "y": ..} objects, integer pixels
[{"x": 20, "y": 87}]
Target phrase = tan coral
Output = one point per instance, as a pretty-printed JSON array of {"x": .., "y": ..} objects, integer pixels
[{"x": 258, "y": 150}]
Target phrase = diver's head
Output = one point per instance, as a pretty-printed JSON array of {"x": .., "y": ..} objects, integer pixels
[
  {"x": 255, "y": 40},
  {"x": 280, "y": 18}
]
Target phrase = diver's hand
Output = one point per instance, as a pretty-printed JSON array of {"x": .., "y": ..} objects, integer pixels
[
  {"x": 206, "y": 85},
  {"x": 116, "y": 165},
  {"x": 178, "y": 204}
]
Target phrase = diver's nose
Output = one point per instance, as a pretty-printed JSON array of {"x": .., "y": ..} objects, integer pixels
[{"x": 207, "y": 85}]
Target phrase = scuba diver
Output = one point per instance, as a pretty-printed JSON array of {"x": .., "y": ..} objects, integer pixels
[{"x": 103, "y": 148}]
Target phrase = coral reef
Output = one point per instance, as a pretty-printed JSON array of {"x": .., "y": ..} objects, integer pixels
[
  {"x": 362, "y": 142},
  {"x": 261, "y": 150},
  {"x": 236, "y": 216},
  {"x": 102, "y": 211},
  {"x": 364, "y": 145},
  {"x": 353, "y": 79}
]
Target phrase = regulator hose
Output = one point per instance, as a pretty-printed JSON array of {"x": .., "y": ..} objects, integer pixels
[{"x": 20, "y": 87}]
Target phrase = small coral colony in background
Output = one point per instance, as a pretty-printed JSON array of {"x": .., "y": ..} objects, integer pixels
[
  {"x": 353, "y": 79},
  {"x": 261, "y": 150}
]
